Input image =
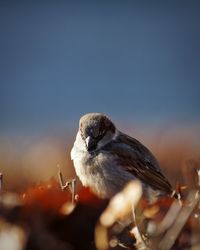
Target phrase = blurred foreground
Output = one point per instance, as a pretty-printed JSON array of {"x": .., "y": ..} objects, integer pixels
[{"x": 44, "y": 218}]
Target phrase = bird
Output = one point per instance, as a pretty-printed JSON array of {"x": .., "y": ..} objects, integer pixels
[{"x": 106, "y": 159}]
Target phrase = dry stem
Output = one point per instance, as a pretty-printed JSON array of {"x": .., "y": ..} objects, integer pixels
[
  {"x": 1, "y": 182},
  {"x": 68, "y": 184}
]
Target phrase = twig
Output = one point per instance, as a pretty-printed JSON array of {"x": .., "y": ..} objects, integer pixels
[
  {"x": 140, "y": 243},
  {"x": 1, "y": 182},
  {"x": 68, "y": 184},
  {"x": 169, "y": 218},
  {"x": 168, "y": 241},
  {"x": 198, "y": 175}
]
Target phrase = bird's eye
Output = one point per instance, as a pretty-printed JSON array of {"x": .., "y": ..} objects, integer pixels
[
  {"x": 102, "y": 132},
  {"x": 93, "y": 133}
]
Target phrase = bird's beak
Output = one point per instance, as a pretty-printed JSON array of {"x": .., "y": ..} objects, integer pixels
[{"x": 91, "y": 143}]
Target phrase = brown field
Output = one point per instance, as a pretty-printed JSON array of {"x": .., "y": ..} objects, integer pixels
[{"x": 41, "y": 216}]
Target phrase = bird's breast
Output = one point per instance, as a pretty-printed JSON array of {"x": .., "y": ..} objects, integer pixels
[{"x": 101, "y": 173}]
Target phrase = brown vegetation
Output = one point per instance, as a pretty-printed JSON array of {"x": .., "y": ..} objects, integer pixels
[{"x": 35, "y": 213}]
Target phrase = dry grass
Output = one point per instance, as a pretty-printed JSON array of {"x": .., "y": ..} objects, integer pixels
[{"x": 36, "y": 214}]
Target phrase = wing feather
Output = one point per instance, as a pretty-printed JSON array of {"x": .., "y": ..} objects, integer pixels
[{"x": 139, "y": 161}]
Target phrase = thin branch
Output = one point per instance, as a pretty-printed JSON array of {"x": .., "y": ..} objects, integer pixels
[
  {"x": 1, "y": 182},
  {"x": 168, "y": 241},
  {"x": 68, "y": 184},
  {"x": 140, "y": 242}
]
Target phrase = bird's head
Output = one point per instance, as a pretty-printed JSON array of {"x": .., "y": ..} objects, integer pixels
[{"x": 96, "y": 130}]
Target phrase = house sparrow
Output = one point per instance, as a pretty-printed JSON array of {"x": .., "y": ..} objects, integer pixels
[{"x": 106, "y": 159}]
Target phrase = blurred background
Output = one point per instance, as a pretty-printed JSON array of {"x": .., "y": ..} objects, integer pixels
[{"x": 136, "y": 61}]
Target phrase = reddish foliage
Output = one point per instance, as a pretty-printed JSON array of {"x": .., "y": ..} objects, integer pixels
[
  {"x": 86, "y": 197},
  {"x": 48, "y": 196}
]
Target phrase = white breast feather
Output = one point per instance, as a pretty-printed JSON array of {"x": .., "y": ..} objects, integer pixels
[{"x": 100, "y": 172}]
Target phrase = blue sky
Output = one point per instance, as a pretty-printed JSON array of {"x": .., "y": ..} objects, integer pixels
[{"x": 134, "y": 60}]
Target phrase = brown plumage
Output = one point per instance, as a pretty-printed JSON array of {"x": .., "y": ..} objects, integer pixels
[{"x": 139, "y": 161}]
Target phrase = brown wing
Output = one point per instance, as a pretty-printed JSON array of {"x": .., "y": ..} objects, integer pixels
[{"x": 139, "y": 161}]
